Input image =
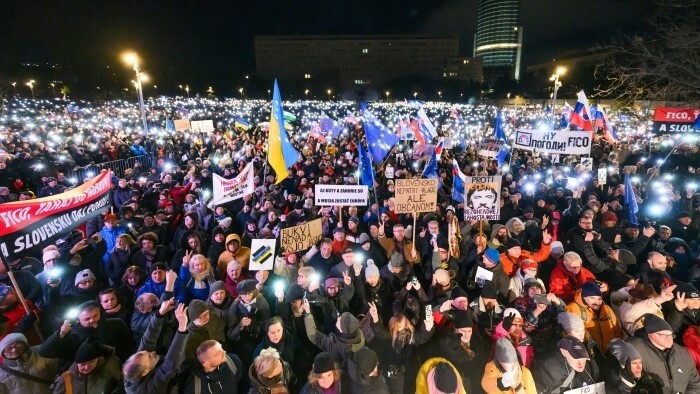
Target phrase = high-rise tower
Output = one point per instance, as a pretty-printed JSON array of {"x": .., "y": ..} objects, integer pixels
[{"x": 499, "y": 37}]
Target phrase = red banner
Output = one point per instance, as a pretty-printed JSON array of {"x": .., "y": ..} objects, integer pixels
[
  {"x": 28, "y": 226},
  {"x": 674, "y": 120}
]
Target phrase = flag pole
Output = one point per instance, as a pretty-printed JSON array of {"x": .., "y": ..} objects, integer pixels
[{"x": 22, "y": 300}]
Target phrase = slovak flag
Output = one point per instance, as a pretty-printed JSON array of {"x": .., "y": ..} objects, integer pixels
[
  {"x": 580, "y": 116},
  {"x": 458, "y": 181},
  {"x": 425, "y": 126},
  {"x": 438, "y": 148},
  {"x": 601, "y": 122}
]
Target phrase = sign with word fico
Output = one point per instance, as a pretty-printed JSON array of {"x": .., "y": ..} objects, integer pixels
[
  {"x": 598, "y": 388},
  {"x": 554, "y": 141},
  {"x": 675, "y": 120},
  {"x": 415, "y": 195}
]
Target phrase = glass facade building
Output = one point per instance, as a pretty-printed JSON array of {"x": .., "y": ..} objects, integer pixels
[{"x": 498, "y": 39}]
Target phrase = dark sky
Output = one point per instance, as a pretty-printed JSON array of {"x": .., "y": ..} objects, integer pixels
[{"x": 214, "y": 38}]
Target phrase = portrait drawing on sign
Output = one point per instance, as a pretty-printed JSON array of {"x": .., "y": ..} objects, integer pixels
[{"x": 482, "y": 196}]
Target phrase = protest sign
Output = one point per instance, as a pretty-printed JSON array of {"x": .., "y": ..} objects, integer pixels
[
  {"x": 483, "y": 194},
  {"x": 331, "y": 195},
  {"x": 554, "y": 141},
  {"x": 587, "y": 163},
  {"x": 602, "y": 176},
  {"x": 26, "y": 227},
  {"x": 415, "y": 195},
  {"x": 598, "y": 388},
  {"x": 675, "y": 120},
  {"x": 262, "y": 254},
  {"x": 232, "y": 189},
  {"x": 181, "y": 124},
  {"x": 207, "y": 126},
  {"x": 301, "y": 237},
  {"x": 489, "y": 147},
  {"x": 423, "y": 151}
]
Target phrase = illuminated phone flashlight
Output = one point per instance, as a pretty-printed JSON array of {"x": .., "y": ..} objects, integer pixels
[
  {"x": 359, "y": 257},
  {"x": 207, "y": 193},
  {"x": 572, "y": 182},
  {"x": 39, "y": 166},
  {"x": 73, "y": 180},
  {"x": 692, "y": 185},
  {"x": 315, "y": 278},
  {"x": 529, "y": 187},
  {"x": 72, "y": 314},
  {"x": 168, "y": 166},
  {"x": 656, "y": 210},
  {"x": 505, "y": 168},
  {"x": 279, "y": 286},
  {"x": 668, "y": 177},
  {"x": 90, "y": 174},
  {"x": 55, "y": 272}
]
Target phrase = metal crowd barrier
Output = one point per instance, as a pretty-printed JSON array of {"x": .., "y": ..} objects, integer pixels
[{"x": 117, "y": 166}]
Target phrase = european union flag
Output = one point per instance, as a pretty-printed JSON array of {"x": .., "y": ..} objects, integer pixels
[
  {"x": 169, "y": 125},
  {"x": 380, "y": 139},
  {"x": 631, "y": 201},
  {"x": 430, "y": 170},
  {"x": 365, "y": 163},
  {"x": 329, "y": 125}
]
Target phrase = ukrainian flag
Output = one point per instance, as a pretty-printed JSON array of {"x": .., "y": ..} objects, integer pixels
[
  {"x": 281, "y": 154},
  {"x": 241, "y": 123}
]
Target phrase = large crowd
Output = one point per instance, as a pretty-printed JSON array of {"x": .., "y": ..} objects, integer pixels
[{"x": 569, "y": 288}]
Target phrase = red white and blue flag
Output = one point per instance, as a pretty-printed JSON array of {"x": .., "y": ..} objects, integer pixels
[{"x": 581, "y": 115}]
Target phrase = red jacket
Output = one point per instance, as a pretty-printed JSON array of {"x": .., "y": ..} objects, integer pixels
[
  {"x": 564, "y": 284},
  {"x": 691, "y": 339},
  {"x": 178, "y": 194}
]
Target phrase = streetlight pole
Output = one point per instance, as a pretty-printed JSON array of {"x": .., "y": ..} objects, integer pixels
[
  {"x": 240, "y": 91},
  {"x": 306, "y": 93},
  {"x": 329, "y": 94},
  {"x": 131, "y": 58},
  {"x": 31, "y": 86},
  {"x": 187, "y": 89},
  {"x": 53, "y": 88},
  {"x": 557, "y": 84},
  {"x": 14, "y": 86},
  {"x": 387, "y": 95}
]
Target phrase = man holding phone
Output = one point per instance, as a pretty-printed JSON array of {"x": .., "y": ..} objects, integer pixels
[{"x": 539, "y": 311}]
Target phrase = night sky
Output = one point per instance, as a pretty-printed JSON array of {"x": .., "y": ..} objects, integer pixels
[{"x": 214, "y": 39}]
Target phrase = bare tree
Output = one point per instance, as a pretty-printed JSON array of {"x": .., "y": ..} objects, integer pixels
[{"x": 661, "y": 63}]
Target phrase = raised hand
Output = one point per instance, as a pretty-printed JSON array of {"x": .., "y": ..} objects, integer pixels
[
  {"x": 166, "y": 306},
  {"x": 373, "y": 312},
  {"x": 186, "y": 258},
  {"x": 546, "y": 237},
  {"x": 181, "y": 316},
  {"x": 680, "y": 301},
  {"x": 65, "y": 329},
  {"x": 346, "y": 278}
]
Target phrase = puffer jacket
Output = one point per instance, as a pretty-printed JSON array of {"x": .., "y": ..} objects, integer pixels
[
  {"x": 363, "y": 384},
  {"x": 422, "y": 377},
  {"x": 550, "y": 373},
  {"x": 564, "y": 284},
  {"x": 242, "y": 255},
  {"x": 31, "y": 363},
  {"x": 526, "y": 352},
  {"x": 673, "y": 368},
  {"x": 511, "y": 264},
  {"x": 491, "y": 381},
  {"x": 600, "y": 327}
]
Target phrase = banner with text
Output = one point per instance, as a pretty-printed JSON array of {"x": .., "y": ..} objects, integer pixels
[
  {"x": 181, "y": 124},
  {"x": 331, "y": 195},
  {"x": 675, "y": 120},
  {"x": 415, "y": 195},
  {"x": 301, "y": 237},
  {"x": 205, "y": 126},
  {"x": 554, "y": 141},
  {"x": 28, "y": 226},
  {"x": 482, "y": 200},
  {"x": 489, "y": 147},
  {"x": 226, "y": 190}
]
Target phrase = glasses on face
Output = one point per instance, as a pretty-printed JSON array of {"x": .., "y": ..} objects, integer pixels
[{"x": 667, "y": 336}]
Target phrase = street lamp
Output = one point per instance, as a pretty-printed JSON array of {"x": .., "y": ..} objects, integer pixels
[
  {"x": 240, "y": 91},
  {"x": 181, "y": 90},
  {"x": 187, "y": 90},
  {"x": 440, "y": 95},
  {"x": 306, "y": 93},
  {"x": 155, "y": 87},
  {"x": 14, "y": 86},
  {"x": 329, "y": 94},
  {"x": 387, "y": 95},
  {"x": 269, "y": 93},
  {"x": 415, "y": 94},
  {"x": 31, "y": 86},
  {"x": 133, "y": 60},
  {"x": 53, "y": 88},
  {"x": 560, "y": 70},
  {"x": 210, "y": 91}
]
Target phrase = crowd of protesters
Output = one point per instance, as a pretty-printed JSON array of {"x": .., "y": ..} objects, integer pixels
[{"x": 569, "y": 288}]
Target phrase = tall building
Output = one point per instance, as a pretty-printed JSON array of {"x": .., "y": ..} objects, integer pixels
[
  {"x": 356, "y": 60},
  {"x": 499, "y": 38}
]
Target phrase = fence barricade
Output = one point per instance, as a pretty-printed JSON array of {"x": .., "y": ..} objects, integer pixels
[{"x": 117, "y": 166}]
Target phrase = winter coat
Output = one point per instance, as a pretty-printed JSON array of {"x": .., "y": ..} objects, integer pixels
[
  {"x": 162, "y": 255},
  {"x": 550, "y": 372},
  {"x": 110, "y": 236},
  {"x": 674, "y": 367},
  {"x": 516, "y": 288},
  {"x": 363, "y": 384},
  {"x": 288, "y": 347},
  {"x": 471, "y": 368},
  {"x": 500, "y": 280},
  {"x": 511, "y": 264},
  {"x": 487, "y": 320},
  {"x": 422, "y": 377},
  {"x": 405, "y": 247},
  {"x": 119, "y": 261},
  {"x": 680, "y": 321},
  {"x": 337, "y": 345},
  {"x": 398, "y": 353},
  {"x": 242, "y": 255},
  {"x": 195, "y": 289},
  {"x": 631, "y": 314},
  {"x": 564, "y": 284},
  {"x": 31, "y": 363},
  {"x": 214, "y": 329},
  {"x": 159, "y": 288},
  {"x": 105, "y": 378},
  {"x": 491, "y": 381},
  {"x": 225, "y": 378},
  {"x": 526, "y": 352},
  {"x": 601, "y": 327},
  {"x": 258, "y": 385},
  {"x": 691, "y": 339}
]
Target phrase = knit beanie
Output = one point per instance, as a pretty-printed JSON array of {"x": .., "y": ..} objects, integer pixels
[
  {"x": 371, "y": 271},
  {"x": 89, "y": 350},
  {"x": 462, "y": 319},
  {"x": 348, "y": 323},
  {"x": 489, "y": 290},
  {"x": 445, "y": 378},
  {"x": 196, "y": 308},
  {"x": 590, "y": 289},
  {"x": 504, "y": 352},
  {"x": 366, "y": 360},
  {"x": 216, "y": 286},
  {"x": 654, "y": 324},
  {"x": 492, "y": 255},
  {"x": 10, "y": 339},
  {"x": 51, "y": 254},
  {"x": 323, "y": 363},
  {"x": 570, "y": 322}
]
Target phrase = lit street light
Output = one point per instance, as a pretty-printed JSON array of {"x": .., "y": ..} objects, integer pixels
[
  {"x": 329, "y": 94},
  {"x": 53, "y": 88},
  {"x": 31, "y": 86},
  {"x": 181, "y": 90},
  {"x": 561, "y": 70},
  {"x": 240, "y": 91},
  {"x": 387, "y": 95},
  {"x": 133, "y": 60},
  {"x": 14, "y": 86},
  {"x": 187, "y": 90},
  {"x": 306, "y": 93},
  {"x": 440, "y": 95},
  {"x": 415, "y": 94}
]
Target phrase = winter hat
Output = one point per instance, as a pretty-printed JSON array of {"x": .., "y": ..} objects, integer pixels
[
  {"x": 570, "y": 322},
  {"x": 217, "y": 230},
  {"x": 110, "y": 217},
  {"x": 504, "y": 352},
  {"x": 445, "y": 378},
  {"x": 654, "y": 324},
  {"x": 397, "y": 260},
  {"x": 512, "y": 243},
  {"x": 512, "y": 311},
  {"x": 527, "y": 264},
  {"x": 294, "y": 293},
  {"x": 332, "y": 282},
  {"x": 684, "y": 214},
  {"x": 532, "y": 282},
  {"x": 528, "y": 209},
  {"x": 450, "y": 208},
  {"x": 493, "y": 255},
  {"x": 371, "y": 271},
  {"x": 462, "y": 319},
  {"x": 574, "y": 346},
  {"x": 246, "y": 286},
  {"x": 196, "y": 308},
  {"x": 299, "y": 204},
  {"x": 458, "y": 292},
  {"x": 83, "y": 275},
  {"x": 626, "y": 257},
  {"x": 51, "y": 254},
  {"x": 690, "y": 291},
  {"x": 348, "y": 250},
  {"x": 591, "y": 289},
  {"x": 226, "y": 222},
  {"x": 363, "y": 238},
  {"x": 10, "y": 339},
  {"x": 159, "y": 266},
  {"x": 348, "y": 323},
  {"x": 442, "y": 243},
  {"x": 323, "y": 363},
  {"x": 489, "y": 290},
  {"x": 366, "y": 360},
  {"x": 90, "y": 350},
  {"x": 623, "y": 351},
  {"x": 556, "y": 248},
  {"x": 609, "y": 217},
  {"x": 216, "y": 286},
  {"x": 354, "y": 219}
]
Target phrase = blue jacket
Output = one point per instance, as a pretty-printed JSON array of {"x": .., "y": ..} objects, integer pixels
[
  {"x": 191, "y": 292},
  {"x": 159, "y": 288},
  {"x": 137, "y": 150},
  {"x": 110, "y": 236}
]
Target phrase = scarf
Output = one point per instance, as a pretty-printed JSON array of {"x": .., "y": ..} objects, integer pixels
[
  {"x": 466, "y": 347},
  {"x": 275, "y": 384}
]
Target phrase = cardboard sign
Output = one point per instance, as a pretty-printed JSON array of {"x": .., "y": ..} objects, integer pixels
[
  {"x": 262, "y": 254},
  {"x": 587, "y": 163},
  {"x": 602, "y": 176},
  {"x": 415, "y": 195},
  {"x": 675, "y": 120},
  {"x": 598, "y": 388},
  {"x": 301, "y": 237},
  {"x": 489, "y": 147},
  {"x": 181, "y": 124},
  {"x": 554, "y": 141},
  {"x": 226, "y": 190},
  {"x": 332, "y": 195},
  {"x": 482, "y": 200}
]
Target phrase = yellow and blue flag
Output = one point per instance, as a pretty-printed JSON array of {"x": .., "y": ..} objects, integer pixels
[{"x": 281, "y": 154}]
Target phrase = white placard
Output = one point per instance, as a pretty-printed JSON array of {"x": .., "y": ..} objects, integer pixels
[
  {"x": 602, "y": 176},
  {"x": 598, "y": 388},
  {"x": 554, "y": 141},
  {"x": 489, "y": 147},
  {"x": 226, "y": 190},
  {"x": 345, "y": 195},
  {"x": 482, "y": 276},
  {"x": 262, "y": 254}
]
